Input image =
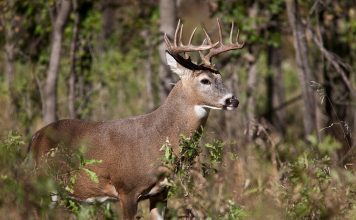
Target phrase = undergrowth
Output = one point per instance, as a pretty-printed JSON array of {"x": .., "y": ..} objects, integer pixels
[{"x": 305, "y": 184}]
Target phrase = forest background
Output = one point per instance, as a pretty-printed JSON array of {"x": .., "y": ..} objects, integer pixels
[{"x": 287, "y": 152}]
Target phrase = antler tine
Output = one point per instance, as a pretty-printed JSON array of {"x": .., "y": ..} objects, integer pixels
[
  {"x": 168, "y": 43},
  {"x": 220, "y": 32},
  {"x": 178, "y": 47},
  {"x": 232, "y": 31},
  {"x": 191, "y": 36},
  {"x": 180, "y": 36},
  {"x": 237, "y": 38},
  {"x": 237, "y": 35},
  {"x": 222, "y": 47},
  {"x": 204, "y": 41},
  {"x": 176, "y": 34},
  {"x": 206, "y": 35}
]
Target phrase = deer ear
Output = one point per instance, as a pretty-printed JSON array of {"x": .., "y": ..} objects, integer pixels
[{"x": 175, "y": 66}]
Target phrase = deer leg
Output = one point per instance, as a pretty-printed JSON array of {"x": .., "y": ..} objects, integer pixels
[
  {"x": 129, "y": 207},
  {"x": 158, "y": 205}
]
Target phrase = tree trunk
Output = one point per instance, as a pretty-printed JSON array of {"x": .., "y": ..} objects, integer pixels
[
  {"x": 275, "y": 90},
  {"x": 147, "y": 66},
  {"x": 252, "y": 79},
  {"x": 168, "y": 17},
  {"x": 338, "y": 89},
  {"x": 108, "y": 12},
  {"x": 9, "y": 59},
  {"x": 251, "y": 100},
  {"x": 73, "y": 70},
  {"x": 230, "y": 117},
  {"x": 304, "y": 72},
  {"x": 9, "y": 47},
  {"x": 50, "y": 105}
]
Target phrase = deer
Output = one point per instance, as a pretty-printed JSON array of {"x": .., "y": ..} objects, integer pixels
[{"x": 129, "y": 149}]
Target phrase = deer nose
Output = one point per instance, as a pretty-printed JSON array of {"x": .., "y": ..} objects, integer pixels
[{"x": 232, "y": 102}]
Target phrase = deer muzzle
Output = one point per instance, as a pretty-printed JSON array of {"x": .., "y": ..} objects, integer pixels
[{"x": 231, "y": 103}]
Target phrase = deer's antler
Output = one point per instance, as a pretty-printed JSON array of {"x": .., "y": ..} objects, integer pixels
[
  {"x": 222, "y": 47},
  {"x": 178, "y": 47}
]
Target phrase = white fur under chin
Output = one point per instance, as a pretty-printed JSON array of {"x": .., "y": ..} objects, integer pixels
[{"x": 202, "y": 111}]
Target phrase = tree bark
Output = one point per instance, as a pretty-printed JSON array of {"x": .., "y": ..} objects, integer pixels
[
  {"x": 251, "y": 100},
  {"x": 9, "y": 59},
  {"x": 147, "y": 66},
  {"x": 108, "y": 18},
  {"x": 338, "y": 89},
  {"x": 50, "y": 105},
  {"x": 275, "y": 89},
  {"x": 168, "y": 17},
  {"x": 304, "y": 72},
  {"x": 230, "y": 117},
  {"x": 73, "y": 71},
  {"x": 252, "y": 79},
  {"x": 9, "y": 52}
]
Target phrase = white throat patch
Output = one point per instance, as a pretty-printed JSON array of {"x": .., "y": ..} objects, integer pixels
[{"x": 201, "y": 111}]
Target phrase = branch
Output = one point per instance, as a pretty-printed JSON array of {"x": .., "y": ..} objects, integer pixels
[
  {"x": 283, "y": 105},
  {"x": 333, "y": 59}
]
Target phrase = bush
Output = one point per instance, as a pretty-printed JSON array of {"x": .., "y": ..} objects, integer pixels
[{"x": 305, "y": 185}]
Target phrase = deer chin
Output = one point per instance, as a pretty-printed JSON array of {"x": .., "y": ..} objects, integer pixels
[
  {"x": 230, "y": 108},
  {"x": 218, "y": 107},
  {"x": 202, "y": 111}
]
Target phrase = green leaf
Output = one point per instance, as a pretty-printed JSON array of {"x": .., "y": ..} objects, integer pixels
[
  {"x": 329, "y": 145},
  {"x": 313, "y": 140},
  {"x": 92, "y": 175},
  {"x": 91, "y": 161}
]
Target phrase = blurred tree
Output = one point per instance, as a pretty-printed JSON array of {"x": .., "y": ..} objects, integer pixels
[
  {"x": 274, "y": 78},
  {"x": 73, "y": 53},
  {"x": 168, "y": 19},
  {"x": 8, "y": 19},
  {"x": 108, "y": 10},
  {"x": 147, "y": 68},
  {"x": 275, "y": 89},
  {"x": 337, "y": 74},
  {"x": 304, "y": 71},
  {"x": 252, "y": 73},
  {"x": 60, "y": 12},
  {"x": 79, "y": 82},
  {"x": 108, "y": 54}
]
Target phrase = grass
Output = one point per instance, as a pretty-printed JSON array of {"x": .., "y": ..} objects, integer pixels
[{"x": 209, "y": 183}]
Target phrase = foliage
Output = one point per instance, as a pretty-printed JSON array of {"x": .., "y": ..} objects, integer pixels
[
  {"x": 234, "y": 211},
  {"x": 83, "y": 162},
  {"x": 24, "y": 193},
  {"x": 280, "y": 176},
  {"x": 189, "y": 174},
  {"x": 21, "y": 192},
  {"x": 308, "y": 186},
  {"x": 315, "y": 189}
]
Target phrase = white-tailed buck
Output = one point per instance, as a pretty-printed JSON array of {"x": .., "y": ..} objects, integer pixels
[{"x": 130, "y": 167}]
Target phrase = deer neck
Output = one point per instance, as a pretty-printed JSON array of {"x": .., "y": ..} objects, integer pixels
[{"x": 180, "y": 115}]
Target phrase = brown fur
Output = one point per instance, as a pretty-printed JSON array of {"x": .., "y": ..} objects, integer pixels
[{"x": 130, "y": 148}]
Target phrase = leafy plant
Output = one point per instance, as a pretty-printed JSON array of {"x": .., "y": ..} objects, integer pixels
[{"x": 188, "y": 165}]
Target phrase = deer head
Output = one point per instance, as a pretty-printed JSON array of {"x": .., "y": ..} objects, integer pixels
[{"x": 203, "y": 81}]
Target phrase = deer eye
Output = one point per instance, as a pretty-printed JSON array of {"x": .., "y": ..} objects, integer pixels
[{"x": 205, "y": 82}]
